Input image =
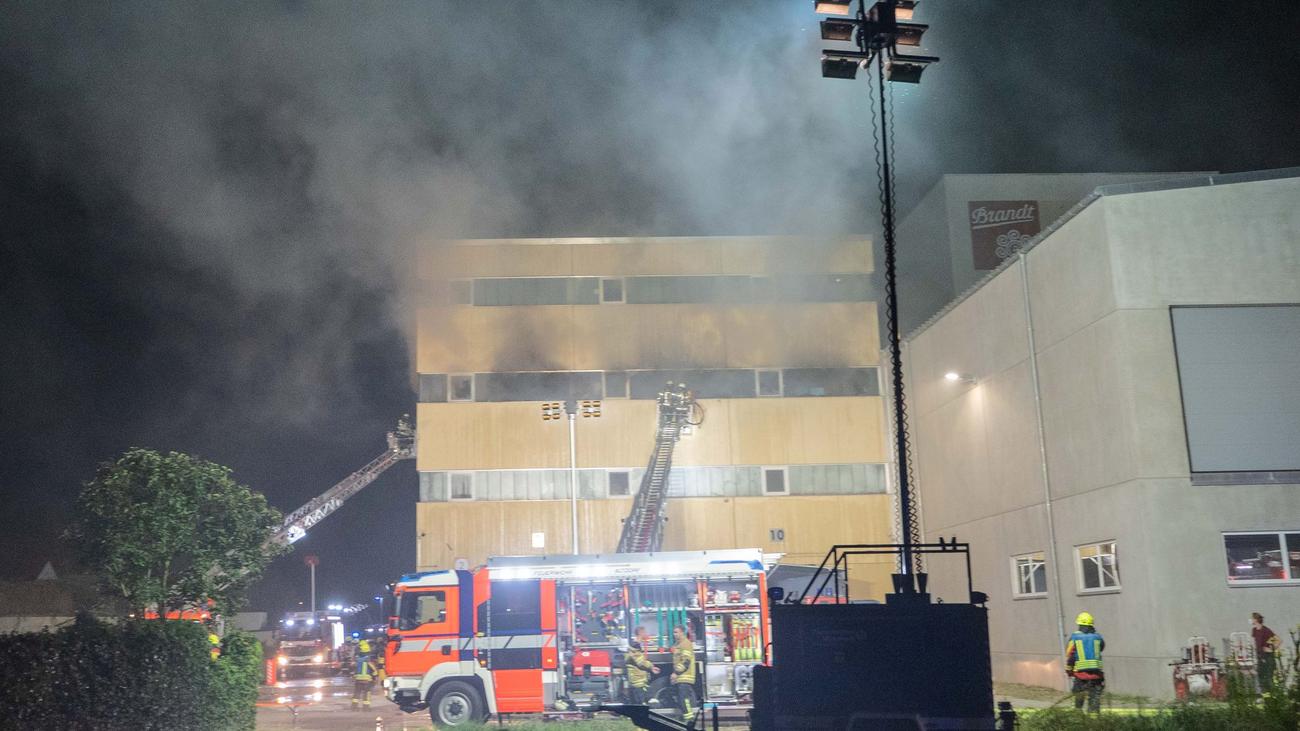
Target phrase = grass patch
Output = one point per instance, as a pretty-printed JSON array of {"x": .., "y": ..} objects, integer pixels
[{"x": 1038, "y": 693}]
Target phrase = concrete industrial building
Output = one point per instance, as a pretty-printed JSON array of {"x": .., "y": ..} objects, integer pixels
[
  {"x": 1122, "y": 430},
  {"x": 966, "y": 225},
  {"x": 777, "y": 337}
]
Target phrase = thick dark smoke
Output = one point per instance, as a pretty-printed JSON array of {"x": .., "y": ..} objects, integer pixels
[{"x": 210, "y": 210}]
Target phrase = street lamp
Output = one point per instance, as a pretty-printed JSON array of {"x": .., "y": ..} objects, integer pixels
[
  {"x": 876, "y": 32},
  {"x": 553, "y": 411}
]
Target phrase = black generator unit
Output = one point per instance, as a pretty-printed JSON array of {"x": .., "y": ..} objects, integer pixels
[{"x": 908, "y": 664}]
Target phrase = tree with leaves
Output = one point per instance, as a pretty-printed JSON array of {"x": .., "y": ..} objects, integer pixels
[{"x": 170, "y": 531}]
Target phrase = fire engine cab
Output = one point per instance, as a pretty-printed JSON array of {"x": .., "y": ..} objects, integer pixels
[{"x": 544, "y": 634}]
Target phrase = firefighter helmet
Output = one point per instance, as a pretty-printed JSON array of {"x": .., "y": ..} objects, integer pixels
[{"x": 1084, "y": 619}]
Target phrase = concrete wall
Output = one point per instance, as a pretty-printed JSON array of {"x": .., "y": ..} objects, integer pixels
[
  {"x": 1113, "y": 453},
  {"x": 934, "y": 250}
]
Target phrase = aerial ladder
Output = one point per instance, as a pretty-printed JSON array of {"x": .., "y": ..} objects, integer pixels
[
  {"x": 643, "y": 530},
  {"x": 401, "y": 445}
]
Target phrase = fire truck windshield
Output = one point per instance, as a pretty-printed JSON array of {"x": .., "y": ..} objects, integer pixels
[
  {"x": 300, "y": 631},
  {"x": 415, "y": 609}
]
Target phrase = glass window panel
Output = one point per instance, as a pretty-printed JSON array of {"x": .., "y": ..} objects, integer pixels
[
  {"x": 769, "y": 382},
  {"x": 1030, "y": 574},
  {"x": 433, "y": 388},
  {"x": 619, "y": 484},
  {"x": 616, "y": 384},
  {"x": 460, "y": 387},
  {"x": 1098, "y": 566},
  {"x": 462, "y": 486},
  {"x": 1293, "y": 555},
  {"x": 1255, "y": 557},
  {"x": 611, "y": 290},
  {"x": 420, "y": 608},
  {"x": 515, "y": 606},
  {"x": 584, "y": 291},
  {"x": 774, "y": 481},
  {"x": 1091, "y": 574}
]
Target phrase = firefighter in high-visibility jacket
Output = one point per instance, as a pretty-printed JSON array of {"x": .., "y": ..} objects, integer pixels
[
  {"x": 214, "y": 645},
  {"x": 639, "y": 668},
  {"x": 1083, "y": 664},
  {"x": 363, "y": 679},
  {"x": 683, "y": 677}
]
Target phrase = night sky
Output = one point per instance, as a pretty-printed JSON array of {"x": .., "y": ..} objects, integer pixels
[{"x": 207, "y": 213}]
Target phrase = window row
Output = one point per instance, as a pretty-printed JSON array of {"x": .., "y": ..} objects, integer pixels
[
  {"x": 646, "y": 384},
  {"x": 1254, "y": 558},
  {"x": 645, "y": 290},
  {"x": 597, "y": 484},
  {"x": 1096, "y": 570}
]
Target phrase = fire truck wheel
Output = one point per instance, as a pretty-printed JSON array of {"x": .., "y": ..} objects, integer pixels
[{"x": 454, "y": 704}]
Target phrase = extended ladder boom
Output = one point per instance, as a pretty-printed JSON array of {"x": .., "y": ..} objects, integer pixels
[
  {"x": 643, "y": 530},
  {"x": 401, "y": 445}
]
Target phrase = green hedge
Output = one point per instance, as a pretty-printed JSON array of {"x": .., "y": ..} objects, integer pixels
[{"x": 144, "y": 674}]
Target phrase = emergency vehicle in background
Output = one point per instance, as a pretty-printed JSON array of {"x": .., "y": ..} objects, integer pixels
[
  {"x": 544, "y": 634},
  {"x": 308, "y": 644}
]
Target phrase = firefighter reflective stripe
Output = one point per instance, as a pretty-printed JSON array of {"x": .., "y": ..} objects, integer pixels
[
  {"x": 638, "y": 668},
  {"x": 365, "y": 670},
  {"x": 499, "y": 642},
  {"x": 684, "y": 661},
  {"x": 1085, "y": 651}
]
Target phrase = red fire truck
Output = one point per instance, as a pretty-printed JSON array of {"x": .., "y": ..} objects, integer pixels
[{"x": 547, "y": 633}]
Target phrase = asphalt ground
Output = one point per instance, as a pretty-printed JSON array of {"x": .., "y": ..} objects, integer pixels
[{"x": 324, "y": 704}]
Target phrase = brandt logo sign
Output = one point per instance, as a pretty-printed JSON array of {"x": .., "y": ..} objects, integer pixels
[{"x": 999, "y": 228}]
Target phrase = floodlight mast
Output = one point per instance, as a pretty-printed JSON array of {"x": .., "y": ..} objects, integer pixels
[{"x": 876, "y": 32}]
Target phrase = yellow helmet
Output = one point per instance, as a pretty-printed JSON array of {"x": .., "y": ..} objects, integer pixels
[
  {"x": 364, "y": 645},
  {"x": 1084, "y": 619}
]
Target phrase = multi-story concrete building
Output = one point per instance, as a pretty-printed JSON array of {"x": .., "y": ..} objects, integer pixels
[
  {"x": 1121, "y": 429},
  {"x": 966, "y": 225},
  {"x": 776, "y": 336}
]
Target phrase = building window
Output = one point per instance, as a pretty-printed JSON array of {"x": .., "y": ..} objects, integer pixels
[
  {"x": 460, "y": 387},
  {"x": 1098, "y": 567},
  {"x": 462, "y": 485},
  {"x": 1029, "y": 574},
  {"x": 774, "y": 482},
  {"x": 611, "y": 290},
  {"x": 768, "y": 381},
  {"x": 620, "y": 484},
  {"x": 1262, "y": 558},
  {"x": 616, "y": 384}
]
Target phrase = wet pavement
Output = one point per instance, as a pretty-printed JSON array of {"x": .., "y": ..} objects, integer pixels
[{"x": 324, "y": 704}]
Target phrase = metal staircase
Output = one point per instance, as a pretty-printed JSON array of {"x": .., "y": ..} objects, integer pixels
[{"x": 643, "y": 529}]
